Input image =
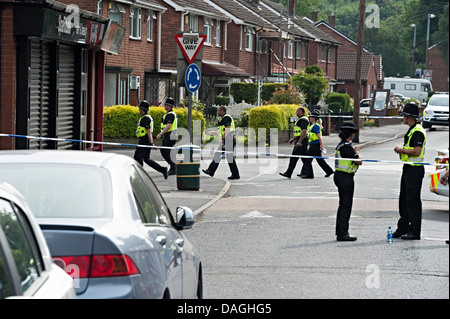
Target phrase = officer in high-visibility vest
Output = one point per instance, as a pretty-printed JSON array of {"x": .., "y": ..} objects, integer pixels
[
  {"x": 228, "y": 144},
  {"x": 144, "y": 132},
  {"x": 315, "y": 142},
  {"x": 301, "y": 146},
  {"x": 169, "y": 125},
  {"x": 413, "y": 151},
  {"x": 345, "y": 170}
]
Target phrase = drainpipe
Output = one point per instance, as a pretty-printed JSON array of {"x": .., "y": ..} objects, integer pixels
[{"x": 182, "y": 20}]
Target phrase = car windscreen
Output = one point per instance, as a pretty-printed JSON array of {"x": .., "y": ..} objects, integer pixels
[
  {"x": 439, "y": 100},
  {"x": 62, "y": 191}
]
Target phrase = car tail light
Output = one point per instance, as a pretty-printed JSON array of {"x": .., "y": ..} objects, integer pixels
[{"x": 97, "y": 266}]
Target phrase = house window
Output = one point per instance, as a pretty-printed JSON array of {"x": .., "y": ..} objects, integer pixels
[
  {"x": 324, "y": 53},
  {"x": 135, "y": 22},
  {"x": 298, "y": 50},
  {"x": 392, "y": 86},
  {"x": 290, "y": 50},
  {"x": 217, "y": 33},
  {"x": 115, "y": 12},
  {"x": 305, "y": 50},
  {"x": 258, "y": 45},
  {"x": 207, "y": 29},
  {"x": 410, "y": 87},
  {"x": 151, "y": 17},
  {"x": 193, "y": 23},
  {"x": 249, "y": 32}
]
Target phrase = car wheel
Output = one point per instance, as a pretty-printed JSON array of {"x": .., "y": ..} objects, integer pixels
[{"x": 426, "y": 125}]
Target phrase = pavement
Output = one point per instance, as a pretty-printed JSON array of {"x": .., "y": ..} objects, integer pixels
[{"x": 213, "y": 189}]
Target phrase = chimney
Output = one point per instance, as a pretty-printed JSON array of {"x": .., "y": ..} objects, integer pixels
[
  {"x": 314, "y": 15},
  {"x": 332, "y": 20},
  {"x": 291, "y": 6}
]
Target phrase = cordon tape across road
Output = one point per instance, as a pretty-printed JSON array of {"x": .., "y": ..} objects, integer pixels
[{"x": 188, "y": 148}]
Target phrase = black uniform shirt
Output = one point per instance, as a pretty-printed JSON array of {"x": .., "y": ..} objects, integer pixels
[
  {"x": 417, "y": 139},
  {"x": 226, "y": 121},
  {"x": 347, "y": 150},
  {"x": 303, "y": 124},
  {"x": 169, "y": 119},
  {"x": 146, "y": 123}
]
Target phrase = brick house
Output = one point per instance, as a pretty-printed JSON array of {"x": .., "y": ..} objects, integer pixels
[
  {"x": 52, "y": 69},
  {"x": 440, "y": 69},
  {"x": 372, "y": 68}
]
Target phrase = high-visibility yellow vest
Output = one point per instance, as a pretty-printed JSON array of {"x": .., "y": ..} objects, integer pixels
[
  {"x": 222, "y": 127},
  {"x": 174, "y": 124},
  {"x": 417, "y": 159},
  {"x": 344, "y": 165},
  {"x": 311, "y": 135},
  {"x": 297, "y": 129},
  {"x": 141, "y": 131}
]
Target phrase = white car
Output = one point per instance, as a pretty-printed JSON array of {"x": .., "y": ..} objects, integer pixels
[
  {"x": 437, "y": 110},
  {"x": 26, "y": 267}
]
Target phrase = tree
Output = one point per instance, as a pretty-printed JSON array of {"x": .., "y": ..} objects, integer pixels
[{"x": 311, "y": 82}]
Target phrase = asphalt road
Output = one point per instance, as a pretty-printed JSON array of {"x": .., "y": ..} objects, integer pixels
[{"x": 273, "y": 237}]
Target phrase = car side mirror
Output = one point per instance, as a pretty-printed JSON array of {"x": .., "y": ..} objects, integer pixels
[{"x": 185, "y": 218}]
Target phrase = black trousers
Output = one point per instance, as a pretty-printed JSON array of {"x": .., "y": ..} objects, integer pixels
[
  {"x": 410, "y": 203},
  {"x": 167, "y": 141},
  {"x": 142, "y": 154},
  {"x": 314, "y": 150},
  {"x": 307, "y": 166},
  {"x": 218, "y": 155},
  {"x": 346, "y": 188}
]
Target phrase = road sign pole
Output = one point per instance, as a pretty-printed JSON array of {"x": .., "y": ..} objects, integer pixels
[{"x": 190, "y": 116}]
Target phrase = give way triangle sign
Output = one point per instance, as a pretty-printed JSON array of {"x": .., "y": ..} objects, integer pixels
[{"x": 190, "y": 44}]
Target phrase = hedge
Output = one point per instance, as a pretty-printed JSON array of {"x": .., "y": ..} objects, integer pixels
[
  {"x": 272, "y": 116},
  {"x": 343, "y": 99},
  {"x": 249, "y": 91},
  {"x": 120, "y": 121}
]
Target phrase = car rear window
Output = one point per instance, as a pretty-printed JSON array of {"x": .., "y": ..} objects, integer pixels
[{"x": 62, "y": 191}]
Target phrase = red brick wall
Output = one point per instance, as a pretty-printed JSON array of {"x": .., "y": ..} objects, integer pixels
[
  {"x": 439, "y": 68},
  {"x": 8, "y": 79}
]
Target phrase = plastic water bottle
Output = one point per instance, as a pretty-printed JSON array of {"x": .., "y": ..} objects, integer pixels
[
  {"x": 324, "y": 151},
  {"x": 389, "y": 235}
]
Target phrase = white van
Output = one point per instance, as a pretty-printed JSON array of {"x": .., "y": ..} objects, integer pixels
[{"x": 414, "y": 88}]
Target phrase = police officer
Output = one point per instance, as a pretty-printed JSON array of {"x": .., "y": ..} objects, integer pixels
[
  {"x": 169, "y": 125},
  {"x": 343, "y": 178},
  {"x": 301, "y": 146},
  {"x": 413, "y": 150},
  {"x": 315, "y": 142},
  {"x": 144, "y": 132},
  {"x": 228, "y": 143}
]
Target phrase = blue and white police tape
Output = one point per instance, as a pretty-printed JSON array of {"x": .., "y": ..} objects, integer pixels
[{"x": 188, "y": 147}]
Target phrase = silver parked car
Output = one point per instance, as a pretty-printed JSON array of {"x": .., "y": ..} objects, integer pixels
[
  {"x": 106, "y": 224},
  {"x": 26, "y": 267}
]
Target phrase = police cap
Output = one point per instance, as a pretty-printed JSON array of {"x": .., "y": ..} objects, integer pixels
[
  {"x": 411, "y": 110},
  {"x": 144, "y": 105},
  {"x": 349, "y": 126}
]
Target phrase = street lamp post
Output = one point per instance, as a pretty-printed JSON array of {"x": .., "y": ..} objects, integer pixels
[
  {"x": 413, "y": 72},
  {"x": 430, "y": 16}
]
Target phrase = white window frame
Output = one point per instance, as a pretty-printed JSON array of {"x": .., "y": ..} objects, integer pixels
[
  {"x": 151, "y": 17},
  {"x": 259, "y": 42},
  {"x": 218, "y": 30},
  {"x": 290, "y": 50},
  {"x": 135, "y": 21},
  {"x": 249, "y": 39},
  {"x": 207, "y": 29},
  {"x": 193, "y": 23}
]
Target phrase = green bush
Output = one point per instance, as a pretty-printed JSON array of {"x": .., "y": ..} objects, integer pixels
[
  {"x": 120, "y": 121},
  {"x": 247, "y": 92},
  {"x": 269, "y": 88},
  {"x": 341, "y": 98},
  {"x": 222, "y": 100},
  {"x": 272, "y": 116}
]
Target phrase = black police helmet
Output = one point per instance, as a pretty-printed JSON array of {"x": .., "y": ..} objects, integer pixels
[
  {"x": 411, "y": 110},
  {"x": 170, "y": 101},
  {"x": 315, "y": 113},
  {"x": 349, "y": 126},
  {"x": 144, "y": 105}
]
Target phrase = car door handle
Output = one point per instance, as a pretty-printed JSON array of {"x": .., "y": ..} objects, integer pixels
[
  {"x": 179, "y": 242},
  {"x": 162, "y": 240}
]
